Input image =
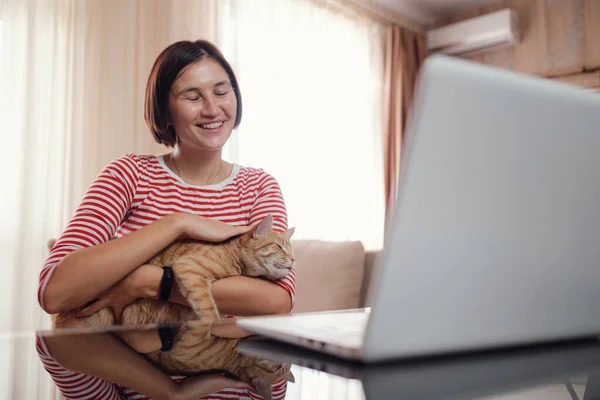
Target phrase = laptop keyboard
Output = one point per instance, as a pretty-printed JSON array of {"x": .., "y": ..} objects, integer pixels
[{"x": 345, "y": 329}]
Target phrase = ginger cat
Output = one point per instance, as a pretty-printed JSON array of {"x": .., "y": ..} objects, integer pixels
[
  {"x": 261, "y": 252},
  {"x": 196, "y": 350}
]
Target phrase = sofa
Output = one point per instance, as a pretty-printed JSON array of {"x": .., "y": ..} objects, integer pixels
[{"x": 332, "y": 275}]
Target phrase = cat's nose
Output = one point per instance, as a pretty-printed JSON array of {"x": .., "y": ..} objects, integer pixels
[{"x": 292, "y": 259}]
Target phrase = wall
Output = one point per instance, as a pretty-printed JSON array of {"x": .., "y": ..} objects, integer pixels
[{"x": 560, "y": 38}]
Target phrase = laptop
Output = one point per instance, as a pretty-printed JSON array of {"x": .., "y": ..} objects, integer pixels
[{"x": 494, "y": 240}]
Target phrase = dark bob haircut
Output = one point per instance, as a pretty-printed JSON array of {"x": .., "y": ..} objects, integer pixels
[{"x": 166, "y": 69}]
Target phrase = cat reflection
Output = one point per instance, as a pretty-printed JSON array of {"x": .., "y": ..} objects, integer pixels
[{"x": 196, "y": 350}]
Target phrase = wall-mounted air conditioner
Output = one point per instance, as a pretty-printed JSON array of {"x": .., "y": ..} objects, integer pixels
[{"x": 500, "y": 28}]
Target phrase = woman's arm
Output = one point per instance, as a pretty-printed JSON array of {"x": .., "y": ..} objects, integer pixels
[
  {"x": 238, "y": 295},
  {"x": 85, "y": 274},
  {"x": 244, "y": 296},
  {"x": 96, "y": 219}
]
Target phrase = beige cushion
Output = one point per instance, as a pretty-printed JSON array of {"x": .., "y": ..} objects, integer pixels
[{"x": 328, "y": 275}]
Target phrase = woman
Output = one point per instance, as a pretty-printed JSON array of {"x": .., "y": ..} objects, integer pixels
[{"x": 146, "y": 202}]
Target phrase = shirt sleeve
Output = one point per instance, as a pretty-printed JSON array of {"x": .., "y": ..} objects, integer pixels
[
  {"x": 97, "y": 217},
  {"x": 269, "y": 200}
]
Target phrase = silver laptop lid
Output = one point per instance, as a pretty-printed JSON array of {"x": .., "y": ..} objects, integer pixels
[{"x": 496, "y": 234}]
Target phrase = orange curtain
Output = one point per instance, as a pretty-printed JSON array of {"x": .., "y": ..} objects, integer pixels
[{"x": 404, "y": 54}]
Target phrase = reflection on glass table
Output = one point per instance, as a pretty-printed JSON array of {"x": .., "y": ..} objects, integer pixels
[
  {"x": 134, "y": 361},
  {"x": 218, "y": 361}
]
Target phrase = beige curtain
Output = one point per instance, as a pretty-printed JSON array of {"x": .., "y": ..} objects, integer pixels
[
  {"x": 404, "y": 54},
  {"x": 72, "y": 80}
]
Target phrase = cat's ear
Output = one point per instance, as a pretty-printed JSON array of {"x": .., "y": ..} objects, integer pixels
[
  {"x": 290, "y": 377},
  {"x": 288, "y": 234},
  {"x": 265, "y": 226},
  {"x": 263, "y": 388}
]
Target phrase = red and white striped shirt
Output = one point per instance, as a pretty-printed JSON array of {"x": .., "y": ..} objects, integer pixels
[{"x": 136, "y": 190}]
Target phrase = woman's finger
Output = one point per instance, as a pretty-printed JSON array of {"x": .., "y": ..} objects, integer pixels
[{"x": 242, "y": 229}]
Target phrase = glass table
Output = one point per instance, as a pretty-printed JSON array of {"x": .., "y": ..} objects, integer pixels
[{"x": 558, "y": 371}]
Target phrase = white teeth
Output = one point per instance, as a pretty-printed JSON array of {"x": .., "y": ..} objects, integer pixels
[{"x": 214, "y": 125}]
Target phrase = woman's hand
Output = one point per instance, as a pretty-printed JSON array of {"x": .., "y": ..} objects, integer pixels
[
  {"x": 209, "y": 230},
  {"x": 195, "y": 387},
  {"x": 125, "y": 292}
]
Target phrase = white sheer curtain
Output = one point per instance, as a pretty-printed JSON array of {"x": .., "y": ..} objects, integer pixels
[
  {"x": 73, "y": 74},
  {"x": 311, "y": 77}
]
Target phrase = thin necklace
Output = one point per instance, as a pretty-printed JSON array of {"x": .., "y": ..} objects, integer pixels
[{"x": 179, "y": 174}]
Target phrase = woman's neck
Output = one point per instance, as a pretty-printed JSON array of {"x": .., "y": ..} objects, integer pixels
[{"x": 201, "y": 169}]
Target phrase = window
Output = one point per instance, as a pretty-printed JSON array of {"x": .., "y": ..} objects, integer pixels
[{"x": 311, "y": 81}]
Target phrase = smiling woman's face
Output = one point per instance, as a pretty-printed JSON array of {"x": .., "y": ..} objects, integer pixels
[{"x": 202, "y": 106}]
